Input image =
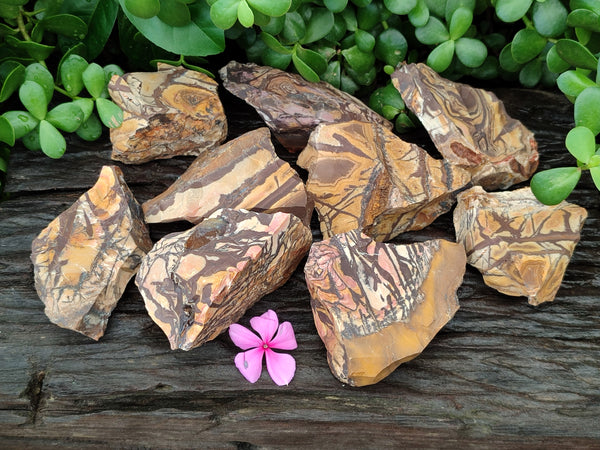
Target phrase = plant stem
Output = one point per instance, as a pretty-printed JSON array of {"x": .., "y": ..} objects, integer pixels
[
  {"x": 21, "y": 25},
  {"x": 62, "y": 91}
]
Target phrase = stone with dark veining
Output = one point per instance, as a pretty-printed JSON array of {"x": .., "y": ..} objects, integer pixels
[{"x": 85, "y": 257}]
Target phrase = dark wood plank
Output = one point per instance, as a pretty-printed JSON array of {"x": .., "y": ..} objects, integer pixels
[{"x": 501, "y": 374}]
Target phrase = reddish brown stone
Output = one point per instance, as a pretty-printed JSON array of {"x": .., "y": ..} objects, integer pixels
[
  {"x": 167, "y": 113},
  {"x": 84, "y": 258},
  {"x": 198, "y": 282},
  {"x": 470, "y": 127},
  {"x": 521, "y": 246},
  {"x": 291, "y": 106},
  {"x": 363, "y": 176},
  {"x": 377, "y": 305},
  {"x": 244, "y": 173}
]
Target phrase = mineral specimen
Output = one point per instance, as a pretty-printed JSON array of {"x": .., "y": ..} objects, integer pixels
[
  {"x": 170, "y": 112},
  {"x": 470, "y": 127},
  {"x": 521, "y": 246},
  {"x": 363, "y": 176},
  {"x": 378, "y": 305},
  {"x": 244, "y": 173},
  {"x": 291, "y": 106},
  {"x": 198, "y": 282},
  {"x": 84, "y": 258}
]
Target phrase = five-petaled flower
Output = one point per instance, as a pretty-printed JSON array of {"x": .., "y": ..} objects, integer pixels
[{"x": 281, "y": 366}]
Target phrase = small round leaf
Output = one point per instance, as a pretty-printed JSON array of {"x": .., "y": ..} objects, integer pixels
[
  {"x": 33, "y": 97},
  {"x": 554, "y": 62},
  {"x": 320, "y": 24},
  {"x": 506, "y": 60},
  {"x": 359, "y": 60},
  {"x": 32, "y": 140},
  {"x": 71, "y": 71},
  {"x": 526, "y": 45},
  {"x": 42, "y": 76},
  {"x": 587, "y": 113},
  {"x": 368, "y": 17},
  {"x": 174, "y": 13},
  {"x": 21, "y": 122},
  {"x": 572, "y": 83},
  {"x": 144, "y": 9},
  {"x": 304, "y": 69},
  {"x": 94, "y": 79},
  {"x": 576, "y": 54},
  {"x": 53, "y": 143},
  {"x": 581, "y": 143},
  {"x": 294, "y": 28},
  {"x": 550, "y": 17},
  {"x": 531, "y": 74},
  {"x": 245, "y": 14},
  {"x": 595, "y": 173},
  {"x": 419, "y": 15},
  {"x": 391, "y": 47},
  {"x": 460, "y": 22},
  {"x": 91, "y": 129},
  {"x": 364, "y": 40},
  {"x": 512, "y": 10},
  {"x": 66, "y": 25},
  {"x": 224, "y": 13},
  {"x": 584, "y": 18},
  {"x": 110, "y": 114},
  {"x": 7, "y": 132},
  {"x": 335, "y": 6},
  {"x": 271, "y": 8},
  {"x": 434, "y": 32},
  {"x": 66, "y": 117},
  {"x": 471, "y": 52},
  {"x": 401, "y": 7},
  {"x": 12, "y": 74},
  {"x": 440, "y": 57},
  {"x": 552, "y": 186}
]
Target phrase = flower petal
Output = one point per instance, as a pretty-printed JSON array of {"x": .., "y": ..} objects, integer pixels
[
  {"x": 243, "y": 337},
  {"x": 249, "y": 363},
  {"x": 285, "y": 338},
  {"x": 265, "y": 325},
  {"x": 281, "y": 367}
]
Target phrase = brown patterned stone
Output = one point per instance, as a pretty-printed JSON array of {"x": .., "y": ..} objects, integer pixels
[
  {"x": 378, "y": 305},
  {"x": 84, "y": 258},
  {"x": 470, "y": 127},
  {"x": 198, "y": 282},
  {"x": 363, "y": 176},
  {"x": 291, "y": 106},
  {"x": 521, "y": 246},
  {"x": 244, "y": 173},
  {"x": 171, "y": 112}
]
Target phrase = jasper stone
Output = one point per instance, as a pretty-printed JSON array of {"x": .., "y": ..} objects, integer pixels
[
  {"x": 244, "y": 173},
  {"x": 378, "y": 305},
  {"x": 363, "y": 176},
  {"x": 521, "y": 246},
  {"x": 198, "y": 282},
  {"x": 171, "y": 112},
  {"x": 84, "y": 258},
  {"x": 470, "y": 127},
  {"x": 291, "y": 106}
]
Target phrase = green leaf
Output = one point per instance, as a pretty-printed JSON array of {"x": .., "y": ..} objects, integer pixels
[
  {"x": 512, "y": 10},
  {"x": 364, "y": 40},
  {"x": 333, "y": 74},
  {"x": 592, "y": 5},
  {"x": 437, "y": 7},
  {"x": 391, "y": 47},
  {"x": 94, "y": 79},
  {"x": 314, "y": 60},
  {"x": 10, "y": 12},
  {"x": 224, "y": 13},
  {"x": 401, "y": 7},
  {"x": 595, "y": 173},
  {"x": 144, "y": 9},
  {"x": 349, "y": 17},
  {"x": 294, "y": 28},
  {"x": 554, "y": 62},
  {"x": 549, "y": 18},
  {"x": 270, "y": 7},
  {"x": 38, "y": 52},
  {"x": 363, "y": 78},
  {"x": 386, "y": 96},
  {"x": 453, "y": 5},
  {"x": 32, "y": 140},
  {"x": 358, "y": 60},
  {"x": 531, "y": 74},
  {"x": 526, "y": 45},
  {"x": 110, "y": 114},
  {"x": 403, "y": 123},
  {"x": 100, "y": 26},
  {"x": 174, "y": 13},
  {"x": 66, "y": 117},
  {"x": 245, "y": 14},
  {"x": 274, "y": 26},
  {"x": 368, "y": 17},
  {"x": 440, "y": 57},
  {"x": 71, "y": 71},
  {"x": 91, "y": 129},
  {"x": 581, "y": 143},
  {"x": 507, "y": 62},
  {"x": 304, "y": 69},
  {"x": 434, "y": 32},
  {"x": 33, "y": 97},
  {"x": 22, "y": 122},
  {"x": 86, "y": 105},
  {"x": 42, "y": 76},
  {"x": 52, "y": 142},
  {"x": 488, "y": 70},
  {"x": 320, "y": 24},
  {"x": 12, "y": 74},
  {"x": 460, "y": 22},
  {"x": 572, "y": 83},
  {"x": 471, "y": 52},
  {"x": 65, "y": 25},
  {"x": 7, "y": 133},
  {"x": 554, "y": 185},
  {"x": 272, "y": 58},
  {"x": 576, "y": 54},
  {"x": 275, "y": 45},
  {"x": 335, "y": 6},
  {"x": 583, "y": 18},
  {"x": 200, "y": 37},
  {"x": 587, "y": 112},
  {"x": 419, "y": 15}
]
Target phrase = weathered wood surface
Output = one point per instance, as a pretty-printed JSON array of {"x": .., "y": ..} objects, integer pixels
[{"x": 501, "y": 374}]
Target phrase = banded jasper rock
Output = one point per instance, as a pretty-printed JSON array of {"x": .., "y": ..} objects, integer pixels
[
  {"x": 469, "y": 126},
  {"x": 84, "y": 258},
  {"x": 244, "y": 173},
  {"x": 171, "y": 112},
  {"x": 363, "y": 176},
  {"x": 198, "y": 282},
  {"x": 521, "y": 247},
  {"x": 291, "y": 106},
  {"x": 378, "y": 305}
]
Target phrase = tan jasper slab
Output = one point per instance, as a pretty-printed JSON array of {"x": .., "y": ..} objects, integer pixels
[
  {"x": 198, "y": 282},
  {"x": 521, "y": 246},
  {"x": 470, "y": 127},
  {"x": 244, "y": 173},
  {"x": 84, "y": 258},
  {"x": 363, "y": 176},
  {"x": 171, "y": 112},
  {"x": 291, "y": 106},
  {"x": 378, "y": 305}
]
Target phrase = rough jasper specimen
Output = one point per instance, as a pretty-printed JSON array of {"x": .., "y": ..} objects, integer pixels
[
  {"x": 470, "y": 127},
  {"x": 377, "y": 305},
  {"x": 291, "y": 106},
  {"x": 84, "y": 258},
  {"x": 521, "y": 246},
  {"x": 198, "y": 282},
  {"x": 244, "y": 173},
  {"x": 167, "y": 113},
  {"x": 363, "y": 176}
]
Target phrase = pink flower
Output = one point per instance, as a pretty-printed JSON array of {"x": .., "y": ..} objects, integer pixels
[{"x": 281, "y": 366}]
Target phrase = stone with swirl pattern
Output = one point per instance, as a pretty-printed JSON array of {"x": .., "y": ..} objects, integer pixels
[
  {"x": 244, "y": 173},
  {"x": 291, "y": 106},
  {"x": 85, "y": 257},
  {"x": 521, "y": 246},
  {"x": 470, "y": 127},
  {"x": 377, "y": 305},
  {"x": 167, "y": 113},
  {"x": 363, "y": 176},
  {"x": 198, "y": 282}
]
